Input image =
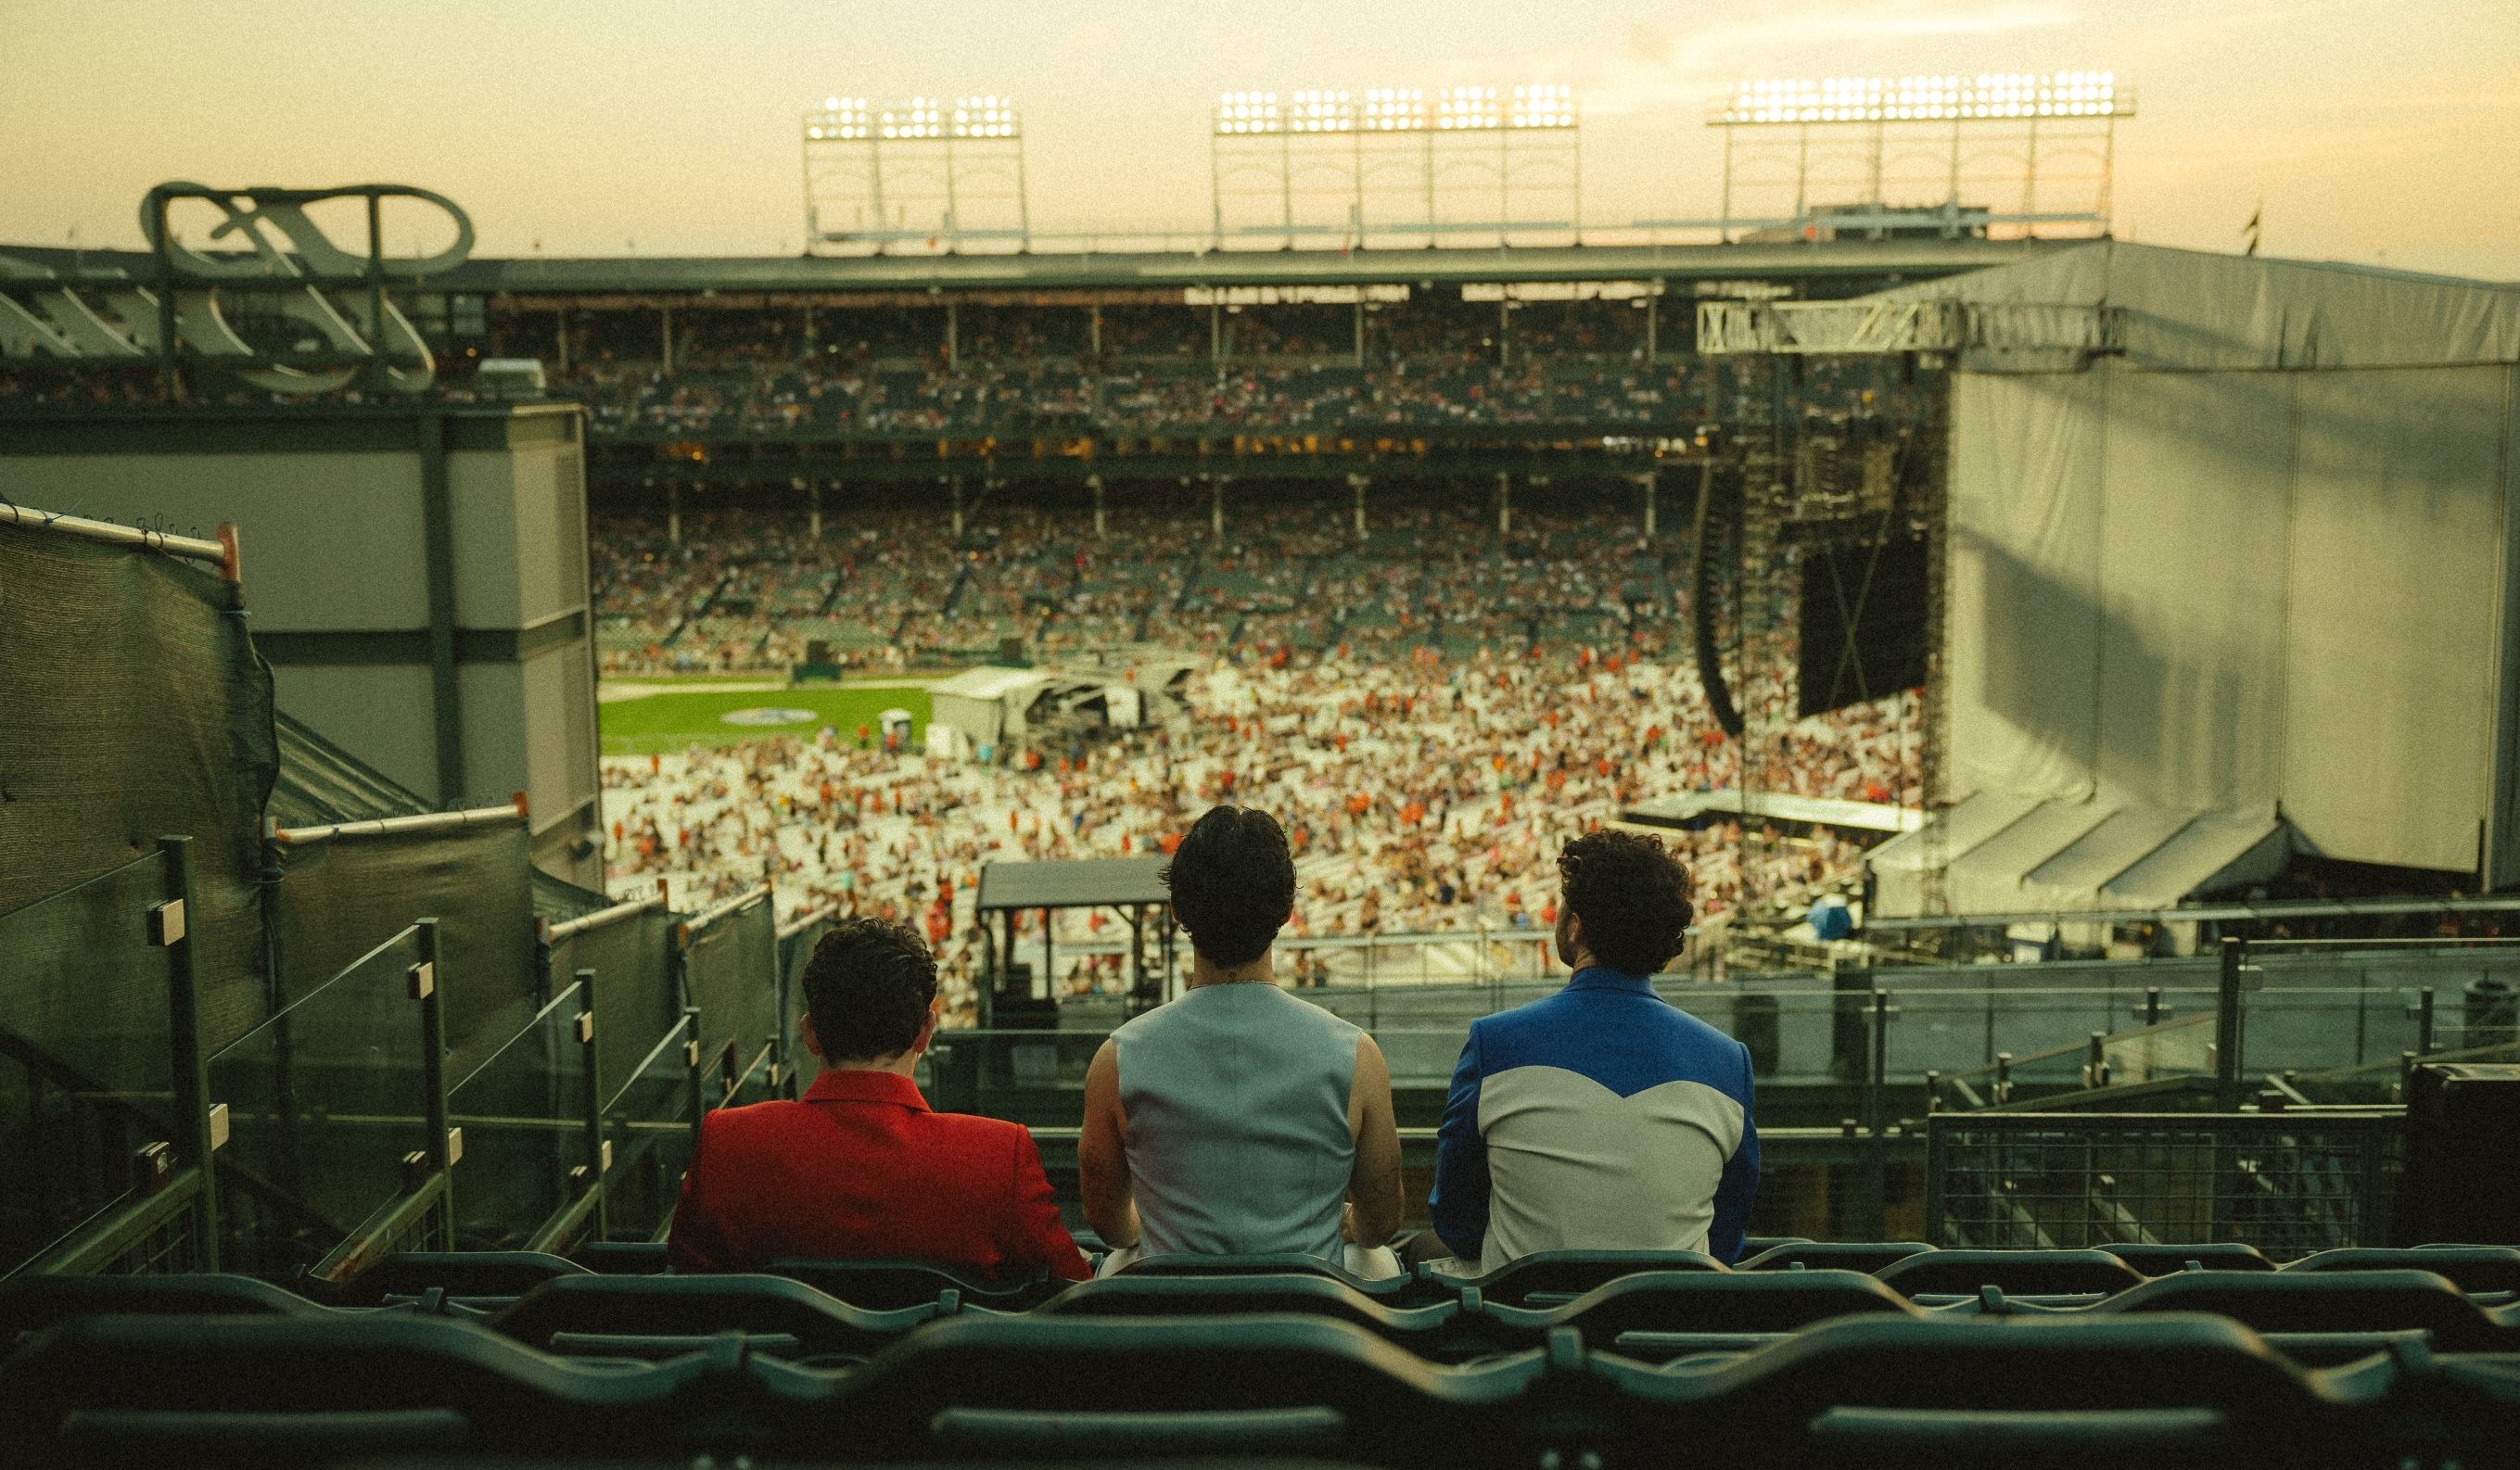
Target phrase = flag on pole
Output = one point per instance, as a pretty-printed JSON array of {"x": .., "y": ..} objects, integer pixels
[{"x": 2251, "y": 228}]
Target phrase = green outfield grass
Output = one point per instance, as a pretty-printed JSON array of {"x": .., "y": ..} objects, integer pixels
[{"x": 660, "y": 724}]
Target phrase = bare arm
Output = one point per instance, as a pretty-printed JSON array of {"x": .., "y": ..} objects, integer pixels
[
  {"x": 1373, "y": 1181},
  {"x": 1103, "y": 1154}
]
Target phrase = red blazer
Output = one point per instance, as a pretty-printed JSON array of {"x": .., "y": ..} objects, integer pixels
[{"x": 861, "y": 1170}]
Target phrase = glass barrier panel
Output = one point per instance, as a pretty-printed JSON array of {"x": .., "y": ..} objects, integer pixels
[
  {"x": 648, "y": 1123},
  {"x": 87, "y": 1056},
  {"x": 324, "y": 1102},
  {"x": 523, "y": 1117}
]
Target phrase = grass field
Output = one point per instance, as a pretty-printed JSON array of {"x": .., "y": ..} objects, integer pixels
[{"x": 662, "y": 723}]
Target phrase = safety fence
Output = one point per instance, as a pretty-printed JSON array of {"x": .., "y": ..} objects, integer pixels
[
  {"x": 2287, "y": 1182},
  {"x": 349, "y": 1124}
]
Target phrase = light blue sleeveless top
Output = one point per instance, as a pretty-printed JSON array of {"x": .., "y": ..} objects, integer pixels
[{"x": 1234, "y": 1098}]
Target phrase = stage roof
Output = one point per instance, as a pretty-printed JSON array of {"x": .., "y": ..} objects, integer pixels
[{"x": 1080, "y": 883}]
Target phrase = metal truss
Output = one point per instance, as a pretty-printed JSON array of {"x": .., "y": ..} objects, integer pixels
[{"x": 1876, "y": 325}]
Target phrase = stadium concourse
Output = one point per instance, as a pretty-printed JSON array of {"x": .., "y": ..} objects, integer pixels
[{"x": 1431, "y": 713}]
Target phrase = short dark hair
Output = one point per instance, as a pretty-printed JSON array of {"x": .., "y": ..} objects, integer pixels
[
  {"x": 1232, "y": 882},
  {"x": 868, "y": 987},
  {"x": 1633, "y": 896}
]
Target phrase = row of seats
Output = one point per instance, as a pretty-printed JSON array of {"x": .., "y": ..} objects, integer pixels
[
  {"x": 1651, "y": 1316},
  {"x": 1910, "y": 1267},
  {"x": 1879, "y": 1388}
]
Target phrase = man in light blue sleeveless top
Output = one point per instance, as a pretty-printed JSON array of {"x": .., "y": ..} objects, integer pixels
[{"x": 1239, "y": 1119}]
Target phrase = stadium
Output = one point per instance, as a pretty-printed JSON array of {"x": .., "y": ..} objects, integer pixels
[{"x": 1894, "y": 812}]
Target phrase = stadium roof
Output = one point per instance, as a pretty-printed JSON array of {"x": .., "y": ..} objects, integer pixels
[
  {"x": 1080, "y": 883},
  {"x": 793, "y": 274}
]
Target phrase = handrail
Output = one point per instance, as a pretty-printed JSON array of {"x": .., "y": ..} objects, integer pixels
[
  {"x": 191, "y": 547},
  {"x": 400, "y": 826},
  {"x": 802, "y": 922},
  {"x": 712, "y": 915},
  {"x": 600, "y": 918}
]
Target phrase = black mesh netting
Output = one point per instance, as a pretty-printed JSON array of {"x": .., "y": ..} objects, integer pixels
[
  {"x": 635, "y": 1003},
  {"x": 731, "y": 972},
  {"x": 135, "y": 709},
  {"x": 338, "y": 900}
]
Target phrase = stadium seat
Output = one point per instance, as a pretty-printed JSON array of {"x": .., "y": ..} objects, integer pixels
[
  {"x": 622, "y": 1258},
  {"x": 1887, "y": 1389},
  {"x": 1401, "y": 1290},
  {"x": 30, "y": 1304},
  {"x": 245, "y": 1390},
  {"x": 1661, "y": 1314},
  {"x": 1832, "y": 1254},
  {"x": 1548, "y": 1278},
  {"x": 1075, "y": 1387},
  {"x": 457, "y": 1273},
  {"x": 2022, "y": 1272},
  {"x": 1435, "y": 1332},
  {"x": 661, "y": 1316},
  {"x": 2329, "y": 1302},
  {"x": 2473, "y": 1268},
  {"x": 2157, "y": 1260},
  {"x": 893, "y": 1285}
]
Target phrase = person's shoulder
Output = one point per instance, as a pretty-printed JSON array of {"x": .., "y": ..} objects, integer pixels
[
  {"x": 970, "y": 1130},
  {"x": 754, "y": 1123}
]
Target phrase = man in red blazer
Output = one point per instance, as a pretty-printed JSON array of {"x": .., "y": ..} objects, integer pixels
[{"x": 860, "y": 1169}]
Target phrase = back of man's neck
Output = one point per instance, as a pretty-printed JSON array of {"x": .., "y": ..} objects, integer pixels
[{"x": 1258, "y": 973}]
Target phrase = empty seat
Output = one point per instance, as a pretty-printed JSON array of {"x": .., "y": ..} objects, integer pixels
[
  {"x": 1080, "y": 1387},
  {"x": 2025, "y": 1273},
  {"x": 1889, "y": 1389},
  {"x": 1832, "y": 1254},
  {"x": 1548, "y": 1278},
  {"x": 1437, "y": 1331},
  {"x": 2325, "y": 1302},
  {"x": 1403, "y": 1288},
  {"x": 2470, "y": 1267},
  {"x": 30, "y": 1304},
  {"x": 457, "y": 1273},
  {"x": 257, "y": 1390},
  {"x": 1661, "y": 1314},
  {"x": 893, "y": 1285},
  {"x": 2157, "y": 1260},
  {"x": 622, "y": 1258},
  {"x": 659, "y": 1317}
]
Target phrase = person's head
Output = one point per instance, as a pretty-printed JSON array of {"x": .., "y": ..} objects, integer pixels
[
  {"x": 869, "y": 994},
  {"x": 1625, "y": 902},
  {"x": 1233, "y": 882}
]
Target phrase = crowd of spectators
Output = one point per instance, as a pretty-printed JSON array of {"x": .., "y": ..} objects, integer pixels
[{"x": 1430, "y": 712}]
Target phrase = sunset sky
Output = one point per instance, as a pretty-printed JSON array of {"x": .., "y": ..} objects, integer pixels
[{"x": 2381, "y": 133}]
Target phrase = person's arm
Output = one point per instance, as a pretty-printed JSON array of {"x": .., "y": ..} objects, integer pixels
[
  {"x": 1739, "y": 1187},
  {"x": 1032, "y": 1233},
  {"x": 1103, "y": 1154},
  {"x": 1373, "y": 1180},
  {"x": 698, "y": 1241},
  {"x": 1458, "y": 1205}
]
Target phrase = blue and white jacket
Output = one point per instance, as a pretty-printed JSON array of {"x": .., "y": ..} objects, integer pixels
[{"x": 1600, "y": 1118}]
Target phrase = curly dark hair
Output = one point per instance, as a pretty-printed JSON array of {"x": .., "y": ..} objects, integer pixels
[
  {"x": 867, "y": 989},
  {"x": 1633, "y": 896},
  {"x": 1232, "y": 882}
]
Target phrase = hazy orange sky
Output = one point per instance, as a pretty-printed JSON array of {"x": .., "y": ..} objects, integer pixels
[{"x": 2385, "y": 133}]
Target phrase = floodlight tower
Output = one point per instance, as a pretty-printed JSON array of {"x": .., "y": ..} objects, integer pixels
[
  {"x": 1870, "y": 156},
  {"x": 918, "y": 169},
  {"x": 1317, "y": 163}
]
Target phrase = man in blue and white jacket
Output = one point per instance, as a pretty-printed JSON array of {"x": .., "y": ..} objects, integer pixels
[{"x": 1603, "y": 1116}]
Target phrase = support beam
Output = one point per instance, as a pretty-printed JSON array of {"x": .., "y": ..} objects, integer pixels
[
  {"x": 1645, "y": 482},
  {"x": 1505, "y": 504},
  {"x": 561, "y": 333},
  {"x": 1216, "y": 505},
  {"x": 674, "y": 514},
  {"x": 814, "y": 518},
  {"x": 956, "y": 482},
  {"x": 665, "y": 338},
  {"x": 1094, "y": 482},
  {"x": 1357, "y": 483}
]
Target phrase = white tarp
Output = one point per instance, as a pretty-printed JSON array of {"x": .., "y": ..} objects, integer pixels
[{"x": 2255, "y": 566}]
